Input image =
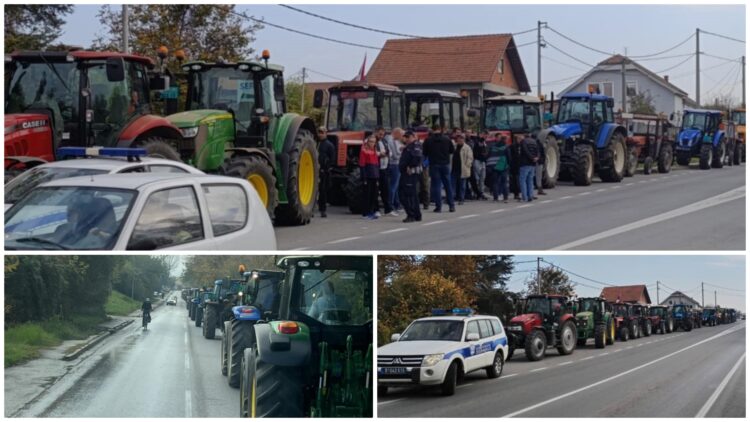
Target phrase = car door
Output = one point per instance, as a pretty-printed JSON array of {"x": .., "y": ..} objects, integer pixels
[
  {"x": 485, "y": 344},
  {"x": 472, "y": 360}
]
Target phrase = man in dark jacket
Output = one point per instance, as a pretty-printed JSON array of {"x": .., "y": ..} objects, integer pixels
[
  {"x": 438, "y": 149},
  {"x": 515, "y": 168},
  {"x": 528, "y": 160},
  {"x": 539, "y": 178},
  {"x": 410, "y": 165},
  {"x": 326, "y": 159}
]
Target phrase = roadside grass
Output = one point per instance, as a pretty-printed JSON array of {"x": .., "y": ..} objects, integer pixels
[
  {"x": 119, "y": 304},
  {"x": 24, "y": 342}
]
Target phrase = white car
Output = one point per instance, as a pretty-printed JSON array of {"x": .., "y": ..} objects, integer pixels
[
  {"x": 144, "y": 211},
  {"x": 437, "y": 350},
  {"x": 28, "y": 180}
]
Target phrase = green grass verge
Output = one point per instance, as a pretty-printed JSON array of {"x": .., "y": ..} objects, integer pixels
[
  {"x": 23, "y": 342},
  {"x": 119, "y": 304}
]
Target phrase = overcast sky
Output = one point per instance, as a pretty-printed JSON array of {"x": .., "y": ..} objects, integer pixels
[
  {"x": 642, "y": 29},
  {"x": 683, "y": 273}
]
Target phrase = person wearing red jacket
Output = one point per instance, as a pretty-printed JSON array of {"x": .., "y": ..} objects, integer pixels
[{"x": 369, "y": 166}]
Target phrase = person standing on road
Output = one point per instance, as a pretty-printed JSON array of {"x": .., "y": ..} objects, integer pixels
[
  {"x": 498, "y": 164},
  {"x": 438, "y": 149},
  {"x": 410, "y": 165},
  {"x": 529, "y": 158},
  {"x": 326, "y": 158},
  {"x": 395, "y": 146},
  {"x": 463, "y": 158},
  {"x": 369, "y": 166},
  {"x": 424, "y": 181},
  {"x": 539, "y": 177},
  {"x": 515, "y": 168},
  {"x": 481, "y": 152},
  {"x": 383, "y": 181}
]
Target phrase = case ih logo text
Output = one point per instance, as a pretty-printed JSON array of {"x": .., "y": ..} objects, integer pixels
[{"x": 33, "y": 123}]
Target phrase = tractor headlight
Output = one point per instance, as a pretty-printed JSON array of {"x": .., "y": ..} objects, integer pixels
[
  {"x": 515, "y": 328},
  {"x": 432, "y": 360},
  {"x": 189, "y": 132}
]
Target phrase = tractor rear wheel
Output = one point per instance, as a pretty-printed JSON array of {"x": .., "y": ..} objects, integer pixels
[
  {"x": 720, "y": 155},
  {"x": 301, "y": 183},
  {"x": 737, "y": 158},
  {"x": 353, "y": 190},
  {"x": 665, "y": 158},
  {"x": 241, "y": 336},
  {"x": 209, "y": 331},
  {"x": 159, "y": 147},
  {"x": 567, "y": 339},
  {"x": 271, "y": 391},
  {"x": 198, "y": 316},
  {"x": 259, "y": 172},
  {"x": 496, "y": 369},
  {"x": 624, "y": 333},
  {"x": 583, "y": 172},
  {"x": 535, "y": 345},
  {"x": 448, "y": 387},
  {"x": 551, "y": 163},
  {"x": 635, "y": 330},
  {"x": 631, "y": 165},
  {"x": 614, "y": 169},
  {"x": 600, "y": 336},
  {"x": 687, "y": 326},
  {"x": 225, "y": 347},
  {"x": 647, "y": 328},
  {"x": 611, "y": 333},
  {"x": 707, "y": 156}
]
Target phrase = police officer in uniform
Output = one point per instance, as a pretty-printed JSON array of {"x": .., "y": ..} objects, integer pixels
[
  {"x": 410, "y": 166},
  {"x": 326, "y": 159}
]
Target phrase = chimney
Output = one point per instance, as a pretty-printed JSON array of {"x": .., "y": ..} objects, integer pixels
[{"x": 666, "y": 78}]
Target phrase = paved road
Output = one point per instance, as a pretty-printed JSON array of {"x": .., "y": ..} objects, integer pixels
[
  {"x": 687, "y": 209},
  {"x": 672, "y": 375},
  {"x": 170, "y": 370}
]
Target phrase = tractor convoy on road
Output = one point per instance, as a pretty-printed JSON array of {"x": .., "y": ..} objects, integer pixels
[{"x": 296, "y": 341}]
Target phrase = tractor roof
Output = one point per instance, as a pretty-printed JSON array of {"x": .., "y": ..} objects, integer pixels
[
  {"x": 513, "y": 98},
  {"x": 702, "y": 111},
  {"x": 250, "y": 63},
  {"x": 581, "y": 95},
  {"x": 363, "y": 85},
  {"x": 79, "y": 55},
  {"x": 431, "y": 92}
]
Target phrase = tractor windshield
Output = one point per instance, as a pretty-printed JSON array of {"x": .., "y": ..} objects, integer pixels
[
  {"x": 695, "y": 121},
  {"x": 679, "y": 308},
  {"x": 620, "y": 310},
  {"x": 433, "y": 330},
  {"x": 588, "y": 305},
  {"x": 267, "y": 293},
  {"x": 536, "y": 305},
  {"x": 223, "y": 88},
  {"x": 738, "y": 117},
  {"x": 423, "y": 114},
  {"x": 513, "y": 117},
  {"x": 573, "y": 109},
  {"x": 657, "y": 312},
  {"x": 352, "y": 110},
  {"x": 336, "y": 297}
]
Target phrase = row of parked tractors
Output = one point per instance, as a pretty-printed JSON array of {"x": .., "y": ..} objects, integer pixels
[
  {"x": 285, "y": 363},
  {"x": 235, "y": 123},
  {"x": 554, "y": 321}
]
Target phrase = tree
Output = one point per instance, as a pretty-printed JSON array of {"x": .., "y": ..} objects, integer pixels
[
  {"x": 202, "y": 31},
  {"x": 642, "y": 103},
  {"x": 293, "y": 92},
  {"x": 553, "y": 281},
  {"x": 33, "y": 26},
  {"x": 202, "y": 270}
]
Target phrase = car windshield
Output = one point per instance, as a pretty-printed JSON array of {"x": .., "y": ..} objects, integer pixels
[
  {"x": 26, "y": 181},
  {"x": 436, "y": 330},
  {"x": 352, "y": 110},
  {"x": 538, "y": 305},
  {"x": 573, "y": 109},
  {"x": 224, "y": 88},
  {"x": 68, "y": 217},
  {"x": 620, "y": 310},
  {"x": 588, "y": 305},
  {"x": 694, "y": 121},
  {"x": 336, "y": 296},
  {"x": 513, "y": 117}
]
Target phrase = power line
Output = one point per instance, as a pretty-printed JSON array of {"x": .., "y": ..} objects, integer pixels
[
  {"x": 736, "y": 60},
  {"x": 677, "y": 65},
  {"x": 666, "y": 57},
  {"x": 577, "y": 42},
  {"x": 349, "y": 24},
  {"x": 578, "y": 275},
  {"x": 324, "y": 74},
  {"x": 717, "y": 84},
  {"x": 725, "y": 288},
  {"x": 564, "y": 64},
  {"x": 721, "y": 36},
  {"x": 559, "y": 80},
  {"x": 663, "y": 51},
  {"x": 570, "y": 56}
]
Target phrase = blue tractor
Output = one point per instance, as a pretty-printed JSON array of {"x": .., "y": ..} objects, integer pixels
[
  {"x": 701, "y": 136},
  {"x": 589, "y": 139},
  {"x": 683, "y": 316}
]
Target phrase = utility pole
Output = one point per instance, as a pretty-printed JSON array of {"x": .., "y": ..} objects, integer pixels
[
  {"x": 698, "y": 66},
  {"x": 539, "y": 46},
  {"x": 703, "y": 300},
  {"x": 657, "y": 293},
  {"x": 624, "y": 86},
  {"x": 302, "y": 105},
  {"x": 716, "y": 302},
  {"x": 125, "y": 30},
  {"x": 539, "y": 274},
  {"x": 743, "y": 81}
]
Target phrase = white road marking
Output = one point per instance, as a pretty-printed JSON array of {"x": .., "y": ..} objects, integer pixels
[
  {"x": 524, "y": 206},
  {"x": 711, "y": 400},
  {"x": 434, "y": 222},
  {"x": 621, "y": 374},
  {"x": 187, "y": 363},
  {"x": 566, "y": 197},
  {"x": 713, "y": 201},
  {"x": 382, "y": 403},
  {"x": 629, "y": 184},
  {"x": 545, "y": 201},
  {"x": 188, "y": 404},
  {"x": 539, "y": 369},
  {"x": 346, "y": 239},
  {"x": 497, "y": 211},
  {"x": 584, "y": 193},
  {"x": 465, "y": 385},
  {"x": 508, "y": 376},
  {"x": 468, "y": 216},
  {"x": 600, "y": 190},
  {"x": 618, "y": 350},
  {"x": 394, "y": 230},
  {"x": 564, "y": 363},
  {"x": 590, "y": 357},
  {"x": 629, "y": 347},
  {"x": 186, "y": 338},
  {"x": 603, "y": 354},
  {"x": 616, "y": 187}
]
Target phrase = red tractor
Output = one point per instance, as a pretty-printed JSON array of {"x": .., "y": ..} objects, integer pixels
[
  {"x": 428, "y": 107},
  {"x": 545, "y": 321},
  {"x": 627, "y": 324},
  {"x": 644, "y": 321},
  {"x": 81, "y": 98},
  {"x": 661, "y": 319},
  {"x": 650, "y": 141},
  {"x": 355, "y": 110}
]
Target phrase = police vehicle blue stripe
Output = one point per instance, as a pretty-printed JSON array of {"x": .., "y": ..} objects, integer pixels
[{"x": 478, "y": 349}]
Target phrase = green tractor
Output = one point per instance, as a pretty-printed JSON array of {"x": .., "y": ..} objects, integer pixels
[
  {"x": 236, "y": 124},
  {"x": 257, "y": 300},
  {"x": 594, "y": 320},
  {"x": 218, "y": 305},
  {"x": 314, "y": 358}
]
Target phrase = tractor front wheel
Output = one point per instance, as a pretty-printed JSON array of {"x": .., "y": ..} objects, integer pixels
[
  {"x": 209, "y": 331},
  {"x": 583, "y": 173},
  {"x": 353, "y": 190},
  {"x": 551, "y": 163},
  {"x": 198, "y": 316},
  {"x": 224, "y": 348},
  {"x": 271, "y": 391},
  {"x": 159, "y": 147},
  {"x": 670, "y": 326},
  {"x": 241, "y": 336},
  {"x": 720, "y": 155},
  {"x": 648, "y": 162},
  {"x": 737, "y": 158},
  {"x": 259, "y": 172},
  {"x": 600, "y": 336},
  {"x": 707, "y": 156},
  {"x": 611, "y": 333},
  {"x": 535, "y": 345},
  {"x": 568, "y": 337},
  {"x": 624, "y": 333},
  {"x": 647, "y": 329},
  {"x": 632, "y": 163},
  {"x": 617, "y": 159},
  {"x": 301, "y": 183},
  {"x": 665, "y": 158}
]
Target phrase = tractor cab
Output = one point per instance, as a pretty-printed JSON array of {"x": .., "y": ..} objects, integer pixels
[
  {"x": 622, "y": 310},
  {"x": 583, "y": 114},
  {"x": 428, "y": 107},
  {"x": 511, "y": 115},
  {"x": 226, "y": 289},
  {"x": 78, "y": 98},
  {"x": 540, "y": 309},
  {"x": 702, "y": 135},
  {"x": 261, "y": 289},
  {"x": 658, "y": 310},
  {"x": 592, "y": 306}
]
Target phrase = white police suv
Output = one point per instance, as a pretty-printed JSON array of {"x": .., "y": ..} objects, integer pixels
[{"x": 440, "y": 349}]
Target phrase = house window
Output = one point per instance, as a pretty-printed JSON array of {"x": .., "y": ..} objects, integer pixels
[
  {"x": 501, "y": 66},
  {"x": 604, "y": 88},
  {"x": 631, "y": 89}
]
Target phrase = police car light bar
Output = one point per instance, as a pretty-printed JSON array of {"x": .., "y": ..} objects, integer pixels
[
  {"x": 454, "y": 311},
  {"x": 100, "y": 152}
]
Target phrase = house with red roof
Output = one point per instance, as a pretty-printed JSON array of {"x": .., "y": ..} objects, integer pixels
[{"x": 629, "y": 294}]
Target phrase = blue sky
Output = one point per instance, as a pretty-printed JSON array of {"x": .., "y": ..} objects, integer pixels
[
  {"x": 642, "y": 29},
  {"x": 684, "y": 273}
]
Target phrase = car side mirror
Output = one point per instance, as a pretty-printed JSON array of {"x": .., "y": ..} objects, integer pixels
[
  {"x": 610, "y": 102},
  {"x": 278, "y": 88},
  {"x": 318, "y": 98},
  {"x": 472, "y": 337},
  {"x": 158, "y": 83},
  {"x": 395, "y": 336},
  {"x": 472, "y": 112},
  {"x": 115, "y": 69}
]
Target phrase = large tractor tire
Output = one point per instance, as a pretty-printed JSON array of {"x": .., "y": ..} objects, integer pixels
[
  {"x": 729, "y": 156},
  {"x": 624, "y": 333},
  {"x": 198, "y": 316},
  {"x": 241, "y": 336},
  {"x": 448, "y": 387},
  {"x": 159, "y": 147},
  {"x": 631, "y": 165},
  {"x": 662, "y": 327},
  {"x": 354, "y": 191},
  {"x": 551, "y": 163},
  {"x": 687, "y": 326},
  {"x": 611, "y": 334},
  {"x": 567, "y": 339},
  {"x": 224, "y": 356},
  {"x": 190, "y": 311},
  {"x": 600, "y": 336},
  {"x": 648, "y": 164},
  {"x": 583, "y": 172},
  {"x": 614, "y": 169},
  {"x": 720, "y": 155},
  {"x": 301, "y": 183},
  {"x": 738, "y": 150},
  {"x": 270, "y": 391},
  {"x": 683, "y": 158},
  {"x": 665, "y": 158},
  {"x": 647, "y": 328},
  {"x": 706, "y": 157},
  {"x": 209, "y": 331},
  {"x": 635, "y": 330},
  {"x": 496, "y": 369},
  {"x": 535, "y": 345},
  {"x": 259, "y": 172}
]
